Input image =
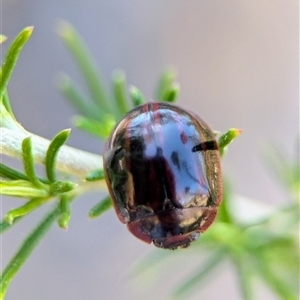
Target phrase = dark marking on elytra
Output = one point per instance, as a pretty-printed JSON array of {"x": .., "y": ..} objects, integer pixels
[
  {"x": 175, "y": 159},
  {"x": 209, "y": 145}
]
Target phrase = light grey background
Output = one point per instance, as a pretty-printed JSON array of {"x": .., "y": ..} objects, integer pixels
[{"x": 238, "y": 67}]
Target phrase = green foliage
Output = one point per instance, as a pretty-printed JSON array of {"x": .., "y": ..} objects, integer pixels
[
  {"x": 226, "y": 138},
  {"x": 28, "y": 163},
  {"x": 167, "y": 89},
  {"x": 95, "y": 175},
  {"x": 12, "y": 56},
  {"x": 265, "y": 248},
  {"x": 65, "y": 211},
  {"x": 27, "y": 184},
  {"x": 7, "y": 172},
  {"x": 52, "y": 151},
  {"x": 98, "y": 109},
  {"x": 100, "y": 207},
  {"x": 26, "y": 249},
  {"x": 120, "y": 93},
  {"x": 86, "y": 64},
  {"x": 136, "y": 96}
]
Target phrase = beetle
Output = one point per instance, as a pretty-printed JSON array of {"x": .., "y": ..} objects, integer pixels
[{"x": 162, "y": 169}]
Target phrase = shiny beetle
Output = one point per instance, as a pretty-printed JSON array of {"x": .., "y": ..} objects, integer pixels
[{"x": 162, "y": 169}]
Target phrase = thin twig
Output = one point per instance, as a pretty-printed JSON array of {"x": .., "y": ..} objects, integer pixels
[{"x": 69, "y": 160}]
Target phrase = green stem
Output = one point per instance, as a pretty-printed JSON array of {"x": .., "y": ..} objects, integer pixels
[{"x": 25, "y": 250}]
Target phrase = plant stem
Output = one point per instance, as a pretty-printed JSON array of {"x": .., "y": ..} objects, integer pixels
[{"x": 69, "y": 160}]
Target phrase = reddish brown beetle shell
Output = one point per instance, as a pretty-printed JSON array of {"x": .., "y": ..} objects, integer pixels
[{"x": 162, "y": 169}]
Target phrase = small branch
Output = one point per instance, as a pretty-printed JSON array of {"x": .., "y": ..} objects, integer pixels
[{"x": 69, "y": 160}]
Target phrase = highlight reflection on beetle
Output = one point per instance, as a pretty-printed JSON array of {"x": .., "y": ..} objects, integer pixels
[{"x": 162, "y": 169}]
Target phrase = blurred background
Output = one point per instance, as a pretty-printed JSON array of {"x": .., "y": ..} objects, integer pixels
[{"x": 237, "y": 64}]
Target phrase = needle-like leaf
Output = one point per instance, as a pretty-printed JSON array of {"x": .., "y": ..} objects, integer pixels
[
  {"x": 25, "y": 209},
  {"x": 100, "y": 207},
  {"x": 65, "y": 212},
  {"x": 95, "y": 175},
  {"x": 86, "y": 64},
  {"x": 25, "y": 250},
  {"x": 100, "y": 129},
  {"x": 28, "y": 163},
  {"x": 226, "y": 138},
  {"x": 119, "y": 88},
  {"x": 9, "y": 173},
  {"x": 77, "y": 99},
  {"x": 136, "y": 96},
  {"x": 52, "y": 151},
  {"x": 166, "y": 80},
  {"x": 12, "y": 56},
  {"x": 22, "y": 188},
  {"x": 4, "y": 225},
  {"x": 171, "y": 93}
]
